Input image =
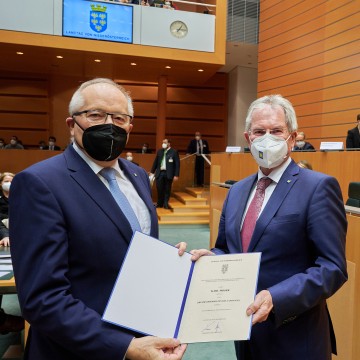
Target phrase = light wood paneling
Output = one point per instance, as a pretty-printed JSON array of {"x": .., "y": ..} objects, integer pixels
[{"x": 309, "y": 53}]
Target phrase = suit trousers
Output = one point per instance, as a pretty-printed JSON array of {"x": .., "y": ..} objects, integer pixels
[
  {"x": 163, "y": 186},
  {"x": 199, "y": 170}
]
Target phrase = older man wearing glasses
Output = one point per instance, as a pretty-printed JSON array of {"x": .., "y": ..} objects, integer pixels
[{"x": 75, "y": 215}]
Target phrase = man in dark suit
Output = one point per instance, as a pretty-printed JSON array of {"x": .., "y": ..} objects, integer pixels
[
  {"x": 166, "y": 168},
  {"x": 80, "y": 235},
  {"x": 301, "y": 144},
  {"x": 298, "y": 224},
  {"x": 198, "y": 146},
  {"x": 52, "y": 144},
  {"x": 353, "y": 136}
]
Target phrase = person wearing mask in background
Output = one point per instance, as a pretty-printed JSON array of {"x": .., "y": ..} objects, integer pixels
[
  {"x": 166, "y": 168},
  {"x": 353, "y": 136},
  {"x": 42, "y": 145},
  {"x": 14, "y": 144},
  {"x": 296, "y": 219},
  {"x": 5, "y": 182},
  {"x": 52, "y": 144},
  {"x": 8, "y": 323},
  {"x": 198, "y": 146},
  {"x": 2, "y": 144},
  {"x": 145, "y": 149},
  {"x": 129, "y": 157},
  {"x": 70, "y": 234},
  {"x": 301, "y": 144}
]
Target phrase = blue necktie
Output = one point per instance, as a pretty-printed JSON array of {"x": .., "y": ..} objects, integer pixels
[{"x": 120, "y": 198}]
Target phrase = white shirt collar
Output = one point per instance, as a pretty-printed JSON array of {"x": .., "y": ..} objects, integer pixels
[{"x": 95, "y": 167}]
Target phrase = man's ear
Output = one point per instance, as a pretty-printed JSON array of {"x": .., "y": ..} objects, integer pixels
[
  {"x": 247, "y": 138},
  {"x": 70, "y": 122}
]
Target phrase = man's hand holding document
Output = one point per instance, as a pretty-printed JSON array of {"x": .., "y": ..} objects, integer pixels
[{"x": 160, "y": 293}]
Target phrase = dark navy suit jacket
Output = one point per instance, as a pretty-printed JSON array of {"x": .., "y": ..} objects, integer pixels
[
  {"x": 353, "y": 138},
  {"x": 68, "y": 241},
  {"x": 301, "y": 235}
]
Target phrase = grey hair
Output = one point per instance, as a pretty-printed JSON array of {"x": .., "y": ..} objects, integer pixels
[
  {"x": 77, "y": 100},
  {"x": 273, "y": 100}
]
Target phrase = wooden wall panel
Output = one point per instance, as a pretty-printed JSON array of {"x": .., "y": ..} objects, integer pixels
[
  {"x": 309, "y": 53},
  {"x": 24, "y": 108}
]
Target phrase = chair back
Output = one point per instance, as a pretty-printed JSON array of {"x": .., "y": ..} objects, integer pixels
[{"x": 354, "y": 194}]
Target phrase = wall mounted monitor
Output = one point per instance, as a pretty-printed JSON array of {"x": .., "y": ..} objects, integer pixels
[{"x": 98, "y": 20}]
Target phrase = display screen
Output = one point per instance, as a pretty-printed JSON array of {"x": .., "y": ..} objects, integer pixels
[{"x": 98, "y": 20}]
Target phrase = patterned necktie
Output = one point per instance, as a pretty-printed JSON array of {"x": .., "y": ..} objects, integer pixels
[
  {"x": 253, "y": 212},
  {"x": 120, "y": 198}
]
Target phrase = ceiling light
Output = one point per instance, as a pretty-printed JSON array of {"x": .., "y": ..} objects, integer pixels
[
  {"x": 59, "y": 56},
  {"x": 167, "y": 67},
  {"x": 20, "y": 53},
  {"x": 200, "y": 70},
  {"x": 97, "y": 60},
  {"x": 133, "y": 64}
]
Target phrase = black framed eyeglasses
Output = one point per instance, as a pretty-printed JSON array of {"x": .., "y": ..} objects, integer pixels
[{"x": 99, "y": 117}]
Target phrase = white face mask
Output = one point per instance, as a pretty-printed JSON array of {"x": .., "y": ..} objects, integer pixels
[
  {"x": 164, "y": 146},
  {"x": 130, "y": 158},
  {"x": 269, "y": 151},
  {"x": 6, "y": 186},
  {"x": 300, "y": 143}
]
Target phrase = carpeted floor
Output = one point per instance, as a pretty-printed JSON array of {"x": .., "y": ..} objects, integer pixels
[{"x": 196, "y": 236}]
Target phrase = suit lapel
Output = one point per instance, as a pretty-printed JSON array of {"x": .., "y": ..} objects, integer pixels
[
  {"x": 287, "y": 181},
  {"x": 95, "y": 189}
]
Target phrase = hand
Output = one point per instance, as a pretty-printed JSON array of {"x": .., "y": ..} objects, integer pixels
[
  {"x": 261, "y": 307},
  {"x": 196, "y": 254},
  {"x": 176, "y": 178},
  {"x": 5, "y": 241},
  {"x": 182, "y": 247},
  {"x": 154, "y": 348}
]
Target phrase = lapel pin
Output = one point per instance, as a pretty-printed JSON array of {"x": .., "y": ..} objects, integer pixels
[
  {"x": 289, "y": 181},
  {"x": 135, "y": 174}
]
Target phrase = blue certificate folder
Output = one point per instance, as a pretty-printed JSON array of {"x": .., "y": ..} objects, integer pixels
[{"x": 160, "y": 293}]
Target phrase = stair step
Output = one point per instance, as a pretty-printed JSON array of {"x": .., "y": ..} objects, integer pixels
[
  {"x": 196, "y": 191},
  {"x": 187, "y": 199},
  {"x": 179, "y": 207},
  {"x": 185, "y": 216}
]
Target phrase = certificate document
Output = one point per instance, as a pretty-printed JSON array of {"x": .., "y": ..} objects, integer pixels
[{"x": 160, "y": 293}]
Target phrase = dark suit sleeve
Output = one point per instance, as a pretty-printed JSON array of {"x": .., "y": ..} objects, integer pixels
[
  {"x": 350, "y": 140},
  {"x": 155, "y": 163},
  {"x": 326, "y": 233},
  {"x": 206, "y": 149},
  {"x": 41, "y": 256},
  {"x": 177, "y": 164}
]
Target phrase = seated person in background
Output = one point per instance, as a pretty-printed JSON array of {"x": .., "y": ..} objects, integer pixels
[
  {"x": 145, "y": 149},
  {"x": 4, "y": 235},
  {"x": 129, "y": 157},
  {"x": 353, "y": 136},
  {"x": 2, "y": 144},
  {"x": 8, "y": 323},
  {"x": 52, "y": 144},
  {"x": 5, "y": 181},
  {"x": 305, "y": 164},
  {"x": 301, "y": 144},
  {"x": 42, "y": 145},
  {"x": 14, "y": 144}
]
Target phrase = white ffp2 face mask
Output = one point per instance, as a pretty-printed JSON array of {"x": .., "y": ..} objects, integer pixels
[
  {"x": 6, "y": 185},
  {"x": 269, "y": 151}
]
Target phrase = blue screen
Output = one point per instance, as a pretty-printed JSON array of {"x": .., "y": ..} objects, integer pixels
[{"x": 97, "y": 20}]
